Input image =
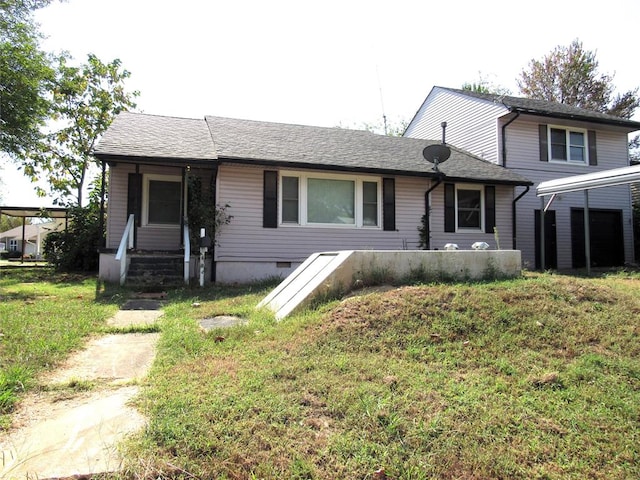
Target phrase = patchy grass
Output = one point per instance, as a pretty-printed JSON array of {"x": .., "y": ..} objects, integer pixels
[
  {"x": 537, "y": 377},
  {"x": 43, "y": 317}
]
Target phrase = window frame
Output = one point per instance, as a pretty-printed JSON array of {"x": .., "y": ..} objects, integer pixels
[
  {"x": 567, "y": 134},
  {"x": 13, "y": 245},
  {"x": 358, "y": 181},
  {"x": 146, "y": 180},
  {"x": 476, "y": 187}
]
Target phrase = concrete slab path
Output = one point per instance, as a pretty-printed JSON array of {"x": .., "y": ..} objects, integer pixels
[{"x": 62, "y": 433}]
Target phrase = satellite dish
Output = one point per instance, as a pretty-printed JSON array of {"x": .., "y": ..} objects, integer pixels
[{"x": 436, "y": 154}]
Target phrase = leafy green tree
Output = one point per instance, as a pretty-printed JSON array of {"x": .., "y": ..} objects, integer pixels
[
  {"x": 25, "y": 77},
  {"x": 484, "y": 85},
  {"x": 570, "y": 75},
  {"x": 85, "y": 101}
]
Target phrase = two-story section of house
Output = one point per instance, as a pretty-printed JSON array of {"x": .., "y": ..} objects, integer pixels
[{"x": 543, "y": 141}]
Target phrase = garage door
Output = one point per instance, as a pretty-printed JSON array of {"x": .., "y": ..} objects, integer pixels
[{"x": 607, "y": 244}]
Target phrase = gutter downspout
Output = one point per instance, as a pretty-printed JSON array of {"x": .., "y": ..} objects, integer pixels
[
  {"x": 504, "y": 138},
  {"x": 427, "y": 243},
  {"x": 513, "y": 217}
]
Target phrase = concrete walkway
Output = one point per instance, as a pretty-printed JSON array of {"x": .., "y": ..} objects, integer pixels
[{"x": 62, "y": 432}]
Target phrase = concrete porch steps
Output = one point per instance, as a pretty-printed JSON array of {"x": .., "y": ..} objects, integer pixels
[{"x": 152, "y": 271}]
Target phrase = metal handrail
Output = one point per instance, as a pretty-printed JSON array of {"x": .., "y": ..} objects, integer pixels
[
  {"x": 126, "y": 240},
  {"x": 187, "y": 253}
]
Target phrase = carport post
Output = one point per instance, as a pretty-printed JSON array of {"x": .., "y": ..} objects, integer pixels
[
  {"x": 587, "y": 233},
  {"x": 542, "y": 245}
]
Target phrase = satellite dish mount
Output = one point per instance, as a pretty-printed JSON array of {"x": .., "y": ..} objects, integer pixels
[{"x": 438, "y": 153}]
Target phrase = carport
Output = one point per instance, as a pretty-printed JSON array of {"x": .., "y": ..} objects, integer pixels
[
  {"x": 576, "y": 183},
  {"x": 33, "y": 212}
]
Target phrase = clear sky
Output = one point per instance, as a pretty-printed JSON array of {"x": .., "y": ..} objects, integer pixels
[{"x": 326, "y": 63}]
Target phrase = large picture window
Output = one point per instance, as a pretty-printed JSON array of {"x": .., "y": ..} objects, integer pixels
[
  {"x": 163, "y": 200},
  {"x": 335, "y": 200}
]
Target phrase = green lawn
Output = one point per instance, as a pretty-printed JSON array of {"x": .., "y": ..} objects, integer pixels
[{"x": 537, "y": 377}]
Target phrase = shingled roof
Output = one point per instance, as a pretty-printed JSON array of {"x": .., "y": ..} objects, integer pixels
[
  {"x": 155, "y": 136},
  {"x": 230, "y": 140},
  {"x": 551, "y": 109}
]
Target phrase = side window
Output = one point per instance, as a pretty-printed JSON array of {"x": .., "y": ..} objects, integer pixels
[{"x": 468, "y": 208}]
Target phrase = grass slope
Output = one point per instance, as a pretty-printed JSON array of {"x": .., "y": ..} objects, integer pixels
[{"x": 533, "y": 378}]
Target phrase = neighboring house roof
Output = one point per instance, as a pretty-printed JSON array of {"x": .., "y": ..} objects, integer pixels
[
  {"x": 292, "y": 146},
  {"x": 154, "y": 136},
  {"x": 549, "y": 109}
]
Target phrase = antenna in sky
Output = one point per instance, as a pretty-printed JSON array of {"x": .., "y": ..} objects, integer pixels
[{"x": 384, "y": 117}]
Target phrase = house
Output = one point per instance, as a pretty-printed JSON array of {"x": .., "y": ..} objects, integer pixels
[
  {"x": 543, "y": 141},
  {"x": 292, "y": 190},
  {"x": 31, "y": 241}
]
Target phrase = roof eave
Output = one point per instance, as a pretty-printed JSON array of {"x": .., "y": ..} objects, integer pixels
[
  {"x": 369, "y": 170},
  {"x": 150, "y": 160},
  {"x": 629, "y": 124}
]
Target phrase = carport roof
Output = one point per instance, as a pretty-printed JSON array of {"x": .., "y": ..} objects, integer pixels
[
  {"x": 46, "y": 212},
  {"x": 604, "y": 178}
]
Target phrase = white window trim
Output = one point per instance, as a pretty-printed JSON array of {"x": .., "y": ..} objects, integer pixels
[
  {"x": 568, "y": 131},
  {"x": 146, "y": 178},
  {"x": 13, "y": 245},
  {"x": 471, "y": 186},
  {"x": 302, "y": 199}
]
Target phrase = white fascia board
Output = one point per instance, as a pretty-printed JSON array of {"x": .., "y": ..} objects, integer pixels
[{"x": 605, "y": 178}]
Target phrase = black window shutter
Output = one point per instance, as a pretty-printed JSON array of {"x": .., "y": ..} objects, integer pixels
[
  {"x": 134, "y": 197},
  {"x": 270, "y": 200},
  {"x": 388, "y": 204},
  {"x": 544, "y": 145},
  {"x": 489, "y": 208},
  {"x": 449, "y": 207},
  {"x": 593, "y": 155}
]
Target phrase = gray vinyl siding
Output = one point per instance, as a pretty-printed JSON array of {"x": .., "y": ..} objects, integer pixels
[
  {"x": 471, "y": 123},
  {"x": 149, "y": 237},
  {"x": 523, "y": 157},
  {"x": 244, "y": 239}
]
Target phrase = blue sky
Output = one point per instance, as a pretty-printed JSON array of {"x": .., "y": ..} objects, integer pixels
[{"x": 327, "y": 62}]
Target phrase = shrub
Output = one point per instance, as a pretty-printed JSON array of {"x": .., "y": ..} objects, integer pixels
[{"x": 76, "y": 248}]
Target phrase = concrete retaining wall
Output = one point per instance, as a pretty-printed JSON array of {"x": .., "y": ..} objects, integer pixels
[{"x": 327, "y": 272}]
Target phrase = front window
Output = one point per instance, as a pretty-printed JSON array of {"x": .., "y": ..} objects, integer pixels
[
  {"x": 13, "y": 245},
  {"x": 329, "y": 200},
  {"x": 163, "y": 200},
  {"x": 469, "y": 207},
  {"x": 567, "y": 145}
]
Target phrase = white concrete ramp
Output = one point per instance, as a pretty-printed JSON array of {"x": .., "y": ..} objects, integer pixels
[{"x": 327, "y": 272}]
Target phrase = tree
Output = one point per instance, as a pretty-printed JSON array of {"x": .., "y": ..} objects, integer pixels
[
  {"x": 570, "y": 75},
  {"x": 484, "y": 85},
  {"x": 85, "y": 100},
  {"x": 25, "y": 76}
]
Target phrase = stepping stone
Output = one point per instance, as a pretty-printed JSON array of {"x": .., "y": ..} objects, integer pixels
[{"x": 221, "y": 321}]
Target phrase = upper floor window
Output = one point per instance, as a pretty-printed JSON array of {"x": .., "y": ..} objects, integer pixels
[
  {"x": 567, "y": 144},
  {"x": 330, "y": 200}
]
